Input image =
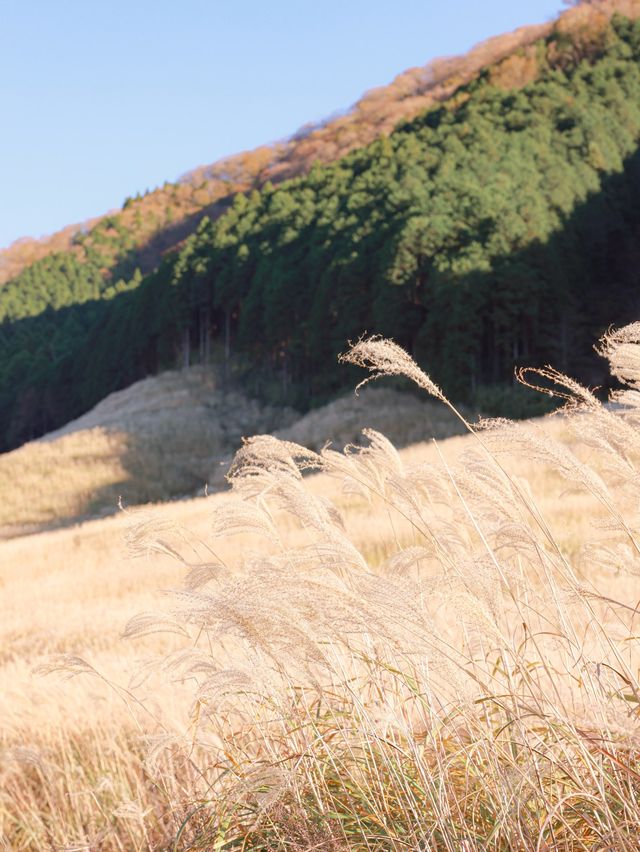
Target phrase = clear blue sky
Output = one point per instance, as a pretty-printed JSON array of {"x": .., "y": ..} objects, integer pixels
[{"x": 103, "y": 99}]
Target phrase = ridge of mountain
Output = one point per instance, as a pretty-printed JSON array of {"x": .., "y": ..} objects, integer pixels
[{"x": 161, "y": 219}]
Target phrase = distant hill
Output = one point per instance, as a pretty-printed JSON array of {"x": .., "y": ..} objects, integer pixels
[
  {"x": 160, "y": 219},
  {"x": 174, "y": 435},
  {"x": 497, "y": 225}
]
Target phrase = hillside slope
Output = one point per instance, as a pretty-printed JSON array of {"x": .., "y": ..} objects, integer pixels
[
  {"x": 482, "y": 234},
  {"x": 174, "y": 435},
  {"x": 163, "y": 217}
]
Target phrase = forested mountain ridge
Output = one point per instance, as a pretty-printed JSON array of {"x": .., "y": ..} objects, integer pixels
[
  {"x": 500, "y": 227},
  {"x": 149, "y": 225}
]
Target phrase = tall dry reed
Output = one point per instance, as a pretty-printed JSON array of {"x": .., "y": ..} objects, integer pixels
[
  {"x": 475, "y": 686},
  {"x": 465, "y": 678}
]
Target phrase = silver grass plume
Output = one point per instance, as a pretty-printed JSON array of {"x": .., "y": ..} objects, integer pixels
[
  {"x": 622, "y": 350},
  {"x": 383, "y": 357}
]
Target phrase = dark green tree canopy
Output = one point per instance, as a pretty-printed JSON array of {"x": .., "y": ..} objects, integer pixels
[{"x": 499, "y": 229}]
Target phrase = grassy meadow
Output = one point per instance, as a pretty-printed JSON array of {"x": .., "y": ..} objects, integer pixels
[
  {"x": 173, "y": 436},
  {"x": 432, "y": 648}
]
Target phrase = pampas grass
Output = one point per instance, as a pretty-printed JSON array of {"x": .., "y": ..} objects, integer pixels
[
  {"x": 458, "y": 672},
  {"x": 476, "y": 688}
]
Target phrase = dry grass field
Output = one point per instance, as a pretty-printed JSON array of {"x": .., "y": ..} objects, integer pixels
[
  {"x": 435, "y": 648},
  {"x": 174, "y": 435},
  {"x": 161, "y": 438}
]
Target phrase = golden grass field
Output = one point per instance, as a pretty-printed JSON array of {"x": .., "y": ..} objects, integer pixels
[
  {"x": 434, "y": 649},
  {"x": 171, "y": 436}
]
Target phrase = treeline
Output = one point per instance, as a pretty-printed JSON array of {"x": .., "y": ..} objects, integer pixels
[
  {"x": 501, "y": 228},
  {"x": 161, "y": 218}
]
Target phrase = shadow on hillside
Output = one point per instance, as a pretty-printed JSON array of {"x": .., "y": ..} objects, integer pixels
[
  {"x": 472, "y": 330},
  {"x": 169, "y": 437},
  {"x": 547, "y": 304},
  {"x": 126, "y": 456},
  {"x": 94, "y": 474}
]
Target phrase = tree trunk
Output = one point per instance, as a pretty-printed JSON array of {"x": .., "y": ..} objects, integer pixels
[
  {"x": 204, "y": 336},
  {"x": 207, "y": 341},
  {"x": 227, "y": 343},
  {"x": 285, "y": 374},
  {"x": 564, "y": 342},
  {"x": 186, "y": 349}
]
